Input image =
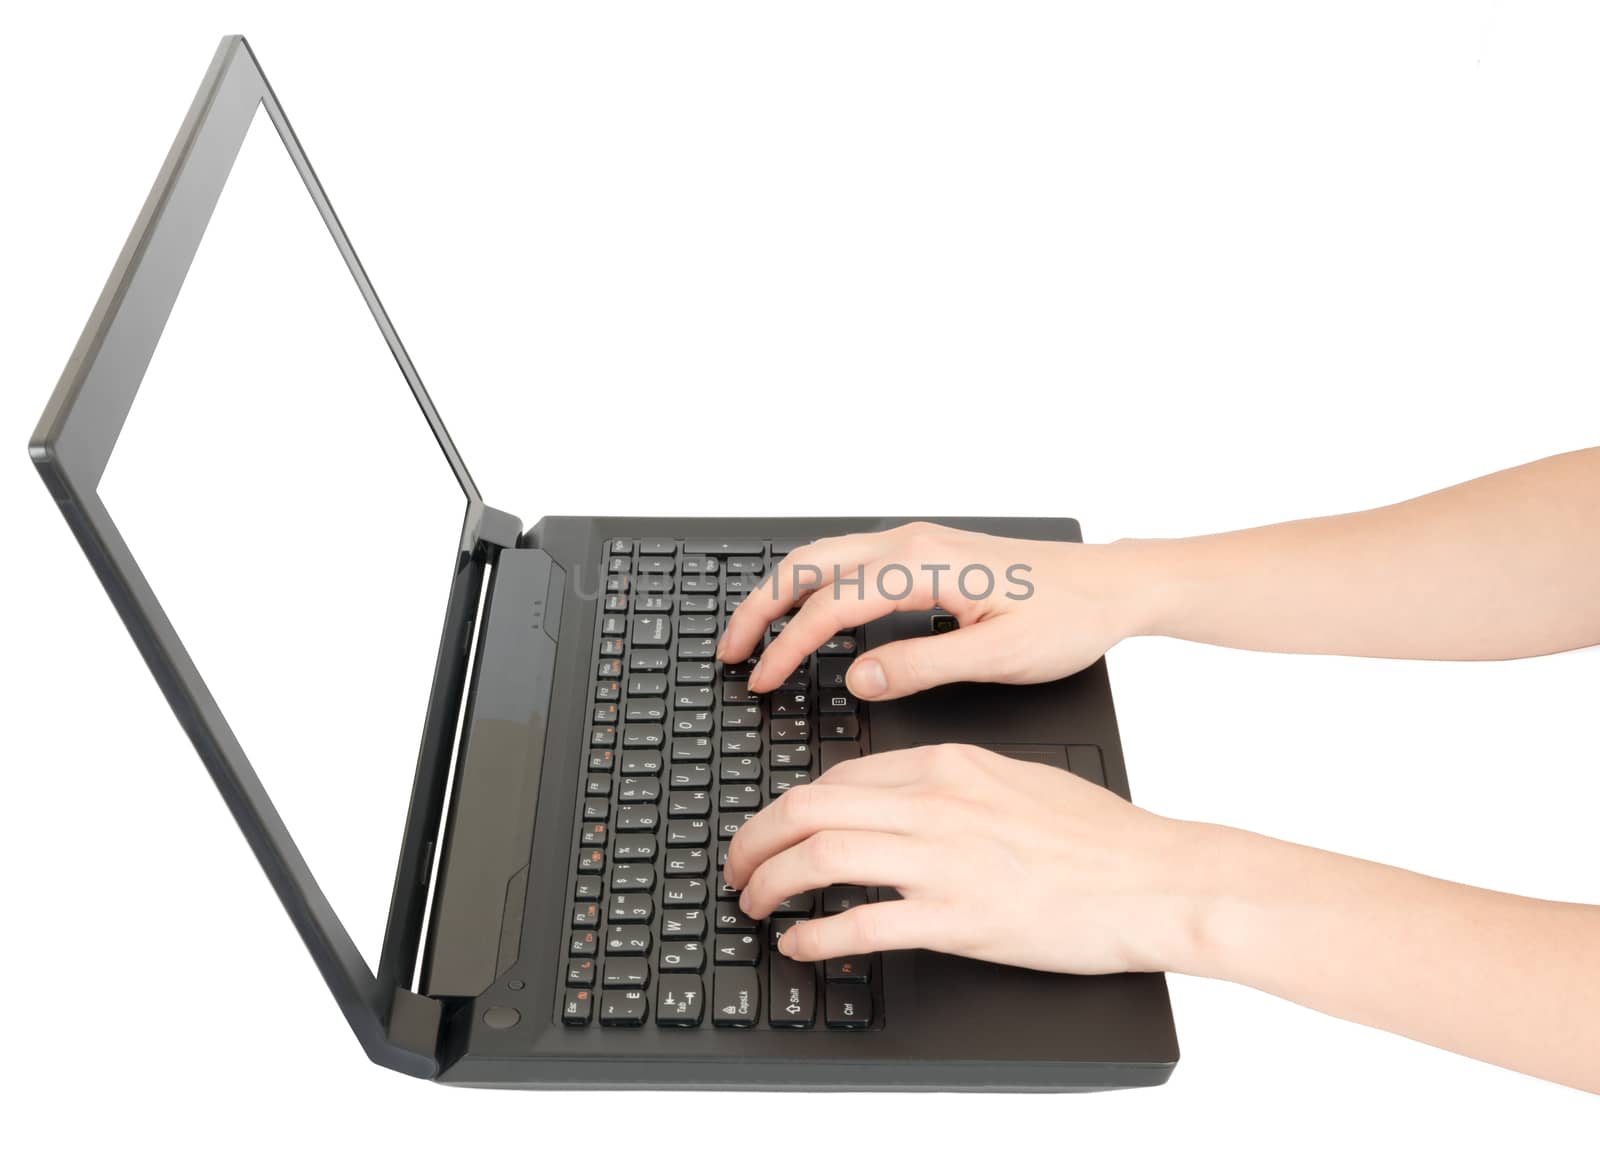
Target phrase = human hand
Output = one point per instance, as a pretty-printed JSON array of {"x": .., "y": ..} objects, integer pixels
[
  {"x": 1029, "y": 611},
  {"x": 1004, "y": 860}
]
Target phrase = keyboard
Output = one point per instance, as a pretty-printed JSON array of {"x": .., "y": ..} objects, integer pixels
[{"x": 680, "y": 754}]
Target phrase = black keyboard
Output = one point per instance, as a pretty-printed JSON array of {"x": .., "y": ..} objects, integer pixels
[{"x": 680, "y": 755}]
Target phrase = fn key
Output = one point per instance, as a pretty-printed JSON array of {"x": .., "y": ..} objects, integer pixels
[{"x": 849, "y": 1006}]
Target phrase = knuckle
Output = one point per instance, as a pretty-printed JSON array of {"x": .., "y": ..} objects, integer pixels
[
  {"x": 799, "y": 804},
  {"x": 829, "y": 852},
  {"x": 868, "y": 929}
]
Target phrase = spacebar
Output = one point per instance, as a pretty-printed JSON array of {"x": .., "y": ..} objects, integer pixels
[{"x": 725, "y": 548}]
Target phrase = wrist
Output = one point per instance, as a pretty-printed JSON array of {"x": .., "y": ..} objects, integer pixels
[
  {"x": 1206, "y": 879},
  {"x": 1144, "y": 584}
]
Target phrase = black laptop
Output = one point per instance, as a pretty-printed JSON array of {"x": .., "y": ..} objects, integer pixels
[{"x": 517, "y": 738}]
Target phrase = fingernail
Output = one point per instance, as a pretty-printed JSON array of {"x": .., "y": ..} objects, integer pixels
[
  {"x": 785, "y": 947},
  {"x": 722, "y": 648},
  {"x": 755, "y": 672},
  {"x": 866, "y": 679}
]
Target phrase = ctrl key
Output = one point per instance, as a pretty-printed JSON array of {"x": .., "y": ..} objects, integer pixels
[
  {"x": 623, "y": 1008},
  {"x": 849, "y": 1006},
  {"x": 736, "y": 996}
]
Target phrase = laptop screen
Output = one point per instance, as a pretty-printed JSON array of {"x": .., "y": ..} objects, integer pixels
[{"x": 287, "y": 501}]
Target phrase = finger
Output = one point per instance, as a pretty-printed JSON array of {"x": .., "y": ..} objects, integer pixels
[
  {"x": 876, "y": 590},
  {"x": 839, "y": 857},
  {"x": 893, "y": 925},
  {"x": 806, "y": 810},
  {"x": 800, "y": 573},
  {"x": 982, "y": 651}
]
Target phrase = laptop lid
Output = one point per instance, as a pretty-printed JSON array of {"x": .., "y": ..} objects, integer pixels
[{"x": 227, "y": 433}]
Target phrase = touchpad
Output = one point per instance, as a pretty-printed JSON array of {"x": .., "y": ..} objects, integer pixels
[{"x": 1083, "y": 760}]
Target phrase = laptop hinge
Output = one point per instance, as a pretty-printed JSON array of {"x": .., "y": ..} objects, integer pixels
[
  {"x": 497, "y": 530},
  {"x": 414, "y": 1022}
]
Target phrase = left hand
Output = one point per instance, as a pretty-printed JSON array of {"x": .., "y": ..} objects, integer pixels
[{"x": 999, "y": 859}]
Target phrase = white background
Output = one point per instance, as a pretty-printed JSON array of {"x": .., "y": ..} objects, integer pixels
[{"x": 1168, "y": 269}]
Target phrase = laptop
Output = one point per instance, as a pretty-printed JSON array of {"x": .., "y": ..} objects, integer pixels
[{"x": 492, "y": 767}]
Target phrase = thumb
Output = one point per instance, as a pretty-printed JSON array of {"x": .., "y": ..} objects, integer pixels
[{"x": 974, "y": 652}]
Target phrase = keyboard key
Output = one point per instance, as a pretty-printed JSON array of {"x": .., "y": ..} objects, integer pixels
[
  {"x": 594, "y": 834},
  {"x": 737, "y": 693},
  {"x": 748, "y": 741},
  {"x": 723, "y": 547},
  {"x": 833, "y": 752},
  {"x": 690, "y": 892},
  {"x": 680, "y": 925},
  {"x": 699, "y": 603},
  {"x": 844, "y": 727},
  {"x": 634, "y": 847},
  {"x": 693, "y": 697},
  {"x": 603, "y": 736},
  {"x": 577, "y": 1008},
  {"x": 849, "y": 1006},
  {"x": 789, "y": 756},
  {"x": 689, "y": 803},
  {"x": 731, "y": 919},
  {"x": 649, "y": 661},
  {"x": 699, "y": 566},
  {"x": 643, "y": 736},
  {"x": 638, "y": 789},
  {"x": 600, "y": 760},
  {"x": 739, "y": 769},
  {"x": 691, "y": 749},
  {"x": 652, "y": 632},
  {"x": 792, "y": 998},
  {"x": 740, "y": 716},
  {"x": 631, "y": 879},
  {"x": 647, "y": 709},
  {"x": 621, "y": 547},
  {"x": 700, "y": 585},
  {"x": 660, "y": 546},
  {"x": 692, "y": 724},
  {"x": 797, "y": 904},
  {"x": 696, "y": 673},
  {"x": 854, "y": 968},
  {"x": 789, "y": 729},
  {"x": 655, "y": 565},
  {"x": 687, "y": 861},
  {"x": 737, "y": 950},
  {"x": 613, "y": 625},
  {"x": 583, "y": 944},
  {"x": 781, "y": 781},
  {"x": 782, "y": 546},
  {"x": 580, "y": 972},
  {"x": 746, "y": 565},
  {"x": 735, "y": 997},
  {"x": 591, "y": 861},
  {"x": 739, "y": 797},
  {"x": 629, "y": 909},
  {"x": 680, "y": 1002},
  {"x": 791, "y": 704},
  {"x": 607, "y": 691},
  {"x": 842, "y": 646},
  {"x": 637, "y": 817},
  {"x": 605, "y": 714},
  {"x": 682, "y": 957},
  {"x": 647, "y": 685},
  {"x": 690, "y": 776},
  {"x": 837, "y": 899},
  {"x": 587, "y": 889},
  {"x": 831, "y": 671},
  {"x": 696, "y": 648},
  {"x": 689, "y": 831},
  {"x": 626, "y": 974},
  {"x": 585, "y": 916},
  {"x": 641, "y": 763},
  {"x": 627, "y": 941},
  {"x": 622, "y": 1008},
  {"x": 729, "y": 824},
  {"x": 699, "y": 626}
]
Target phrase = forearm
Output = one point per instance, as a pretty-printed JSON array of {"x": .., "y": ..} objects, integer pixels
[
  {"x": 1510, "y": 980},
  {"x": 1507, "y": 565}
]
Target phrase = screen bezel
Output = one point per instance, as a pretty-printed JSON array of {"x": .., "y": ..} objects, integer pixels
[{"x": 74, "y": 441}]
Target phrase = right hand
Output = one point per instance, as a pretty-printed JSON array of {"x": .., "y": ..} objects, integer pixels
[{"x": 1054, "y": 607}]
